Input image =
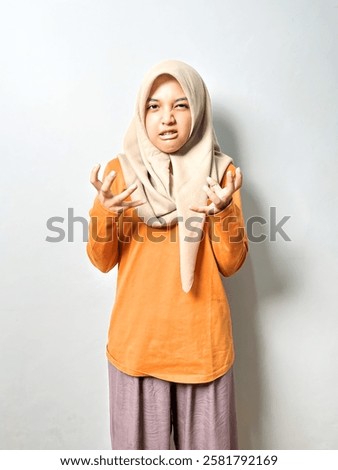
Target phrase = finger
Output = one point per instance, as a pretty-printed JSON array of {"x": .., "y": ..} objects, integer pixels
[
  {"x": 212, "y": 196},
  {"x": 200, "y": 209},
  {"x": 214, "y": 185},
  {"x": 94, "y": 177},
  {"x": 127, "y": 192},
  {"x": 238, "y": 178},
  {"x": 105, "y": 188},
  {"x": 126, "y": 205},
  {"x": 230, "y": 182},
  {"x": 133, "y": 203}
]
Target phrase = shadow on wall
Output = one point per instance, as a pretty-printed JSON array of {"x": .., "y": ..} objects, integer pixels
[{"x": 259, "y": 278}]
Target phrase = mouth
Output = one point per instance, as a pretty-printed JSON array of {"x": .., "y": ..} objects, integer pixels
[{"x": 168, "y": 135}]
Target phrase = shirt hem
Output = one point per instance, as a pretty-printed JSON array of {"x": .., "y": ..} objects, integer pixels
[{"x": 178, "y": 378}]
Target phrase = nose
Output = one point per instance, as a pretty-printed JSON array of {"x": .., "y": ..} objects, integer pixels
[{"x": 168, "y": 117}]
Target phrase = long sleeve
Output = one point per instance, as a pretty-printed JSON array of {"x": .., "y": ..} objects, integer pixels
[
  {"x": 103, "y": 241},
  {"x": 102, "y": 246},
  {"x": 228, "y": 236}
]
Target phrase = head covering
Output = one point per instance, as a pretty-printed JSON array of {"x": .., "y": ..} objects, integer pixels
[{"x": 149, "y": 167}]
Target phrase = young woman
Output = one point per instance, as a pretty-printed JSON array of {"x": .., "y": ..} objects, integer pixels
[{"x": 168, "y": 212}]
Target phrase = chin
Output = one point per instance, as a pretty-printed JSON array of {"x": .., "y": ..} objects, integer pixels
[
  {"x": 169, "y": 148},
  {"x": 173, "y": 150}
]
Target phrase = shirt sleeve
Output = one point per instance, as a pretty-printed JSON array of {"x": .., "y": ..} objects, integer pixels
[
  {"x": 228, "y": 235},
  {"x": 103, "y": 244}
]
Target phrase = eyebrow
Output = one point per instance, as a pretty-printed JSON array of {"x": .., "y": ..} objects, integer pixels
[{"x": 178, "y": 99}]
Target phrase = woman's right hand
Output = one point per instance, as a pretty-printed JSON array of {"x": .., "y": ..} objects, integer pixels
[{"x": 115, "y": 203}]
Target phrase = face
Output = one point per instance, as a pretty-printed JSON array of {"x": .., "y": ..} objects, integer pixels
[{"x": 167, "y": 115}]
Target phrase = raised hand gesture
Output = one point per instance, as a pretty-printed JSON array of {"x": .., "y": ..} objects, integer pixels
[
  {"x": 220, "y": 197},
  {"x": 112, "y": 202}
]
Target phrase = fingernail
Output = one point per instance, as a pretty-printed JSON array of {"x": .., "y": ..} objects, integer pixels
[{"x": 112, "y": 173}]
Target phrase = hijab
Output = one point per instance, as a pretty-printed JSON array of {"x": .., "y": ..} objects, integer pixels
[{"x": 168, "y": 198}]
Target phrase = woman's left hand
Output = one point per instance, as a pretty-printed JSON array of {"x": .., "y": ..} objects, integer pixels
[{"x": 220, "y": 197}]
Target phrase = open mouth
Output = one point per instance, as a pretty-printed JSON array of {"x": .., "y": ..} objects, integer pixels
[{"x": 168, "y": 134}]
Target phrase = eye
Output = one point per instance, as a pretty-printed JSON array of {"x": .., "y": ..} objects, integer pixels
[
  {"x": 182, "y": 106},
  {"x": 152, "y": 106}
]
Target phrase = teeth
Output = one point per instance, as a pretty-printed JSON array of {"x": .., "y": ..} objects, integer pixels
[{"x": 168, "y": 133}]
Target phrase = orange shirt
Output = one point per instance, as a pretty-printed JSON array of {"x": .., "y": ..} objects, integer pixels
[{"x": 157, "y": 329}]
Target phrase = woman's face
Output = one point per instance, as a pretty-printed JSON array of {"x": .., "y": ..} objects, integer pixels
[{"x": 167, "y": 115}]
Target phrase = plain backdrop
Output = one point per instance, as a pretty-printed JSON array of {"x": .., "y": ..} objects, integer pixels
[{"x": 70, "y": 71}]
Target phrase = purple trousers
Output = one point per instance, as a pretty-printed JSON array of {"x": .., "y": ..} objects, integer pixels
[{"x": 149, "y": 413}]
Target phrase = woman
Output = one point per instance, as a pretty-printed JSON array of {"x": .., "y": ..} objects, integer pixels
[{"x": 168, "y": 212}]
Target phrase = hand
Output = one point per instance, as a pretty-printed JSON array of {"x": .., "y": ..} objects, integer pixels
[
  {"x": 220, "y": 197},
  {"x": 115, "y": 203}
]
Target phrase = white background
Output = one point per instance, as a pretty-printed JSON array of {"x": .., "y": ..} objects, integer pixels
[{"x": 69, "y": 75}]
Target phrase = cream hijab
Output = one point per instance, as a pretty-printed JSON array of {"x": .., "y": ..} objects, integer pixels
[{"x": 168, "y": 198}]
